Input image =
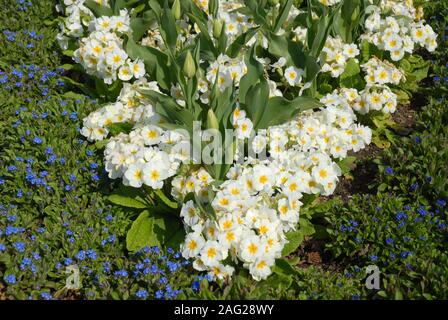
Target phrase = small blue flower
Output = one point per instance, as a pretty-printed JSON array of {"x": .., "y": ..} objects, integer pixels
[
  {"x": 441, "y": 202},
  {"x": 37, "y": 140},
  {"x": 10, "y": 279},
  {"x": 195, "y": 285},
  {"x": 19, "y": 246},
  {"x": 142, "y": 294},
  {"x": 121, "y": 273},
  {"x": 46, "y": 296},
  {"x": 159, "y": 294},
  {"x": 389, "y": 171},
  {"x": 91, "y": 254},
  {"x": 81, "y": 255}
]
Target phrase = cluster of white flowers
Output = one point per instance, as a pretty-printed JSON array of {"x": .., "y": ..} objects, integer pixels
[
  {"x": 234, "y": 22},
  {"x": 402, "y": 8},
  {"x": 382, "y": 72},
  {"x": 225, "y": 71},
  {"x": 130, "y": 107},
  {"x": 259, "y": 201},
  {"x": 102, "y": 53},
  {"x": 336, "y": 53},
  {"x": 78, "y": 17},
  {"x": 398, "y": 35},
  {"x": 147, "y": 155},
  {"x": 372, "y": 98}
]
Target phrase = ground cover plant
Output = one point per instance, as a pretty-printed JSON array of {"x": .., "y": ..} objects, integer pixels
[{"x": 336, "y": 160}]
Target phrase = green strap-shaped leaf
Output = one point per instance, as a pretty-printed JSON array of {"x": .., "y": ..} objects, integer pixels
[
  {"x": 123, "y": 4},
  {"x": 256, "y": 101},
  {"x": 141, "y": 233},
  {"x": 254, "y": 73},
  {"x": 168, "y": 26},
  {"x": 283, "y": 15},
  {"x": 165, "y": 199},
  {"x": 156, "y": 62},
  {"x": 141, "y": 25},
  {"x": 280, "y": 110},
  {"x": 128, "y": 202}
]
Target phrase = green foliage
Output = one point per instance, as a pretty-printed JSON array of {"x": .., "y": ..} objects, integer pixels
[
  {"x": 55, "y": 196},
  {"x": 419, "y": 161}
]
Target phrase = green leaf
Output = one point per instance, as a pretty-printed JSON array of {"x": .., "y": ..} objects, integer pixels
[
  {"x": 317, "y": 34},
  {"x": 351, "y": 77},
  {"x": 161, "y": 195},
  {"x": 156, "y": 62},
  {"x": 294, "y": 238},
  {"x": 280, "y": 110},
  {"x": 116, "y": 128},
  {"x": 168, "y": 27},
  {"x": 168, "y": 107},
  {"x": 125, "y": 201},
  {"x": 347, "y": 164},
  {"x": 283, "y": 267},
  {"x": 140, "y": 26},
  {"x": 122, "y": 4},
  {"x": 282, "y": 46},
  {"x": 141, "y": 233},
  {"x": 168, "y": 231},
  {"x": 258, "y": 13},
  {"x": 256, "y": 101},
  {"x": 283, "y": 15},
  {"x": 254, "y": 73},
  {"x": 235, "y": 48},
  {"x": 97, "y": 9}
]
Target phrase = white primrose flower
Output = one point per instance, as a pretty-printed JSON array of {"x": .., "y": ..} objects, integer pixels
[{"x": 293, "y": 75}]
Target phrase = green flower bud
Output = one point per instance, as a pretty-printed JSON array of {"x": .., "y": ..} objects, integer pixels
[
  {"x": 189, "y": 66},
  {"x": 212, "y": 121},
  {"x": 177, "y": 11},
  {"x": 217, "y": 28},
  {"x": 355, "y": 14}
]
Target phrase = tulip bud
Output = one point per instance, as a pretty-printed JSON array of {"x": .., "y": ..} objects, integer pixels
[
  {"x": 355, "y": 14},
  {"x": 217, "y": 28},
  {"x": 212, "y": 121},
  {"x": 177, "y": 12},
  {"x": 189, "y": 66}
]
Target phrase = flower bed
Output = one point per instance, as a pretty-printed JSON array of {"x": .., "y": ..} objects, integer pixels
[{"x": 297, "y": 85}]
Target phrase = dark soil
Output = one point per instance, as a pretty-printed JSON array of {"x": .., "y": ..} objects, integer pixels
[
  {"x": 312, "y": 253},
  {"x": 360, "y": 178}
]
